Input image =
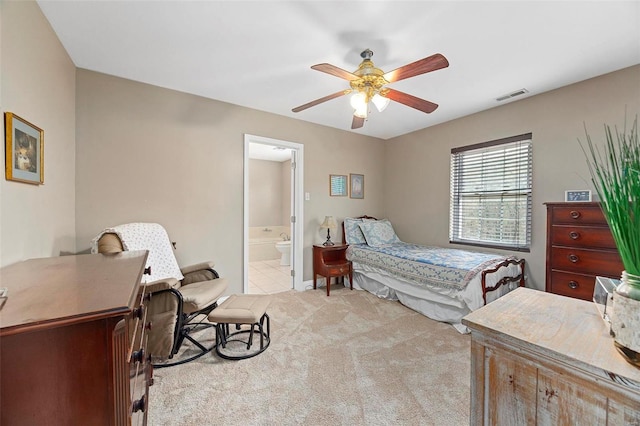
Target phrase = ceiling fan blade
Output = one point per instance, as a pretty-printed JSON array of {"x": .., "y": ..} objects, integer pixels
[
  {"x": 432, "y": 63},
  {"x": 412, "y": 101},
  {"x": 333, "y": 70},
  {"x": 321, "y": 100},
  {"x": 357, "y": 122}
]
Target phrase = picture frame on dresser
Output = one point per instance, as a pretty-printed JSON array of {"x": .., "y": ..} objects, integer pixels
[{"x": 577, "y": 195}]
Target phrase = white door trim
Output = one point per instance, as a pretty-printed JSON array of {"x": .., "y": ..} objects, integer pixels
[{"x": 297, "y": 195}]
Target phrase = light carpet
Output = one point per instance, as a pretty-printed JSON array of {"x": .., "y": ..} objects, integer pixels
[{"x": 347, "y": 359}]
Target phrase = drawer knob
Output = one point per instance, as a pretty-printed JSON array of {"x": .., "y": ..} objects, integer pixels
[
  {"x": 138, "y": 405},
  {"x": 137, "y": 356},
  {"x": 575, "y": 214},
  {"x": 574, "y": 235},
  {"x": 138, "y": 312},
  {"x": 150, "y": 367},
  {"x": 573, "y": 258},
  {"x": 573, "y": 284}
]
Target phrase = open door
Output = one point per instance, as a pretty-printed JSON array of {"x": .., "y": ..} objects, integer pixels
[{"x": 296, "y": 209}]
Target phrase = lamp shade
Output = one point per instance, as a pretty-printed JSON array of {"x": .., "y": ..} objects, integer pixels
[
  {"x": 380, "y": 102},
  {"x": 358, "y": 100},
  {"x": 329, "y": 223},
  {"x": 360, "y": 104}
]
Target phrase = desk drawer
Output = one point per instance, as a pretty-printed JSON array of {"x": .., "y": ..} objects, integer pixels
[
  {"x": 582, "y": 236},
  {"x": 601, "y": 262}
]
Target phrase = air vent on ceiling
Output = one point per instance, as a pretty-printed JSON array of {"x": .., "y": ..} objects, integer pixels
[{"x": 512, "y": 95}]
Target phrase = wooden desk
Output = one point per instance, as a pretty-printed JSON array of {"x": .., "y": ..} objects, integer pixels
[
  {"x": 72, "y": 341},
  {"x": 539, "y": 358},
  {"x": 331, "y": 261}
]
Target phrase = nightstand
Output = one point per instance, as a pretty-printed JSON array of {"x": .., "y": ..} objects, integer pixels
[{"x": 331, "y": 261}]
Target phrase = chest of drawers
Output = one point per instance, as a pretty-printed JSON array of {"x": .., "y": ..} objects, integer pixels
[
  {"x": 73, "y": 341},
  {"x": 579, "y": 248}
]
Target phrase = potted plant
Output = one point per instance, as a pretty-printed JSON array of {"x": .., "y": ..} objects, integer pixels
[{"x": 616, "y": 176}]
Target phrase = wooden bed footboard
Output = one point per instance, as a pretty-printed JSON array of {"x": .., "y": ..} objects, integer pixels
[{"x": 504, "y": 280}]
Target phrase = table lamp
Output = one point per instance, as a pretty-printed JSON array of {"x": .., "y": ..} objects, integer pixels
[{"x": 329, "y": 223}]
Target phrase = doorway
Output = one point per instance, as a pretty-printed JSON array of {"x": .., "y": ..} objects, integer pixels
[{"x": 273, "y": 177}]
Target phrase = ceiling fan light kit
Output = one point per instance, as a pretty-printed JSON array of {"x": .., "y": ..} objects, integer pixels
[{"x": 368, "y": 85}]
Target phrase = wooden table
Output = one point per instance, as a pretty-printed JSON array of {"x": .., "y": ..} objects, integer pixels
[
  {"x": 331, "y": 261},
  {"x": 544, "y": 359}
]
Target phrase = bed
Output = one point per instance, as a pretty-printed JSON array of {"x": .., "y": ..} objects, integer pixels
[{"x": 441, "y": 283}]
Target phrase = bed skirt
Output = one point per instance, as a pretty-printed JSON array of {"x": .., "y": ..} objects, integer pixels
[{"x": 432, "y": 304}]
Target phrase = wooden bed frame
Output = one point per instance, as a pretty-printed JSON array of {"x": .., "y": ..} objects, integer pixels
[{"x": 483, "y": 279}]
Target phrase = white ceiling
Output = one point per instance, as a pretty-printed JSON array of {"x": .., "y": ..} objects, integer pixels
[
  {"x": 260, "y": 151},
  {"x": 258, "y": 54}
]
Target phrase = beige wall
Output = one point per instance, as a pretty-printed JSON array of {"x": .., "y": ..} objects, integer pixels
[
  {"x": 265, "y": 193},
  {"x": 38, "y": 84},
  {"x": 150, "y": 154},
  {"x": 417, "y": 165}
]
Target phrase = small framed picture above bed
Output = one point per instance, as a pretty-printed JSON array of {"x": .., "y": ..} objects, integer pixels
[
  {"x": 356, "y": 183},
  {"x": 338, "y": 185}
]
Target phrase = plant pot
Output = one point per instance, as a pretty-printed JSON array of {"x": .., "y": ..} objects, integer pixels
[{"x": 625, "y": 319}]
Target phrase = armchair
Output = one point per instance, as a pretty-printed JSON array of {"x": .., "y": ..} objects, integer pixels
[{"x": 181, "y": 298}]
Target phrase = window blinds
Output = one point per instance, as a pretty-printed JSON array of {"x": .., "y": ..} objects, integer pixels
[{"x": 491, "y": 194}]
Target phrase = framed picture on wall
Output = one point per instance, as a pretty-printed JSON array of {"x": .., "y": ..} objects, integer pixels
[
  {"x": 357, "y": 185},
  {"x": 24, "y": 150},
  {"x": 338, "y": 185}
]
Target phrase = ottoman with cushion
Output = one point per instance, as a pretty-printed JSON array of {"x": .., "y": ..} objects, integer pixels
[{"x": 242, "y": 309}]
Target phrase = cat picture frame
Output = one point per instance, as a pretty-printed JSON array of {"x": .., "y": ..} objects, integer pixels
[{"x": 24, "y": 150}]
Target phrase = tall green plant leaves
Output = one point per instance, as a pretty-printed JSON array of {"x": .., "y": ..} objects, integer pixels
[{"x": 616, "y": 177}]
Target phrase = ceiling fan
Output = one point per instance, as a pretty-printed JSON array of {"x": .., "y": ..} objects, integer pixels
[{"x": 368, "y": 84}]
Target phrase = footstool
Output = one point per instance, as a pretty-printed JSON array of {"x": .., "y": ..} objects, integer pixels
[{"x": 241, "y": 309}]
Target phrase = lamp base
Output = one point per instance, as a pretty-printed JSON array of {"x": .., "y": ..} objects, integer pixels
[{"x": 328, "y": 242}]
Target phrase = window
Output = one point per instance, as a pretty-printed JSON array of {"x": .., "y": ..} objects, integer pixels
[{"x": 491, "y": 194}]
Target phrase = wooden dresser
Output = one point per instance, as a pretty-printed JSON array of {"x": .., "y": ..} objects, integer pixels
[
  {"x": 72, "y": 341},
  {"x": 579, "y": 248},
  {"x": 541, "y": 359}
]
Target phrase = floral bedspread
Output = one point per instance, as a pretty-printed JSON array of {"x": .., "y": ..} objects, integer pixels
[{"x": 437, "y": 266}]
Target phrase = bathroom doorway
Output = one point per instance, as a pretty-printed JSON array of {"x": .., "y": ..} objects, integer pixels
[{"x": 273, "y": 173}]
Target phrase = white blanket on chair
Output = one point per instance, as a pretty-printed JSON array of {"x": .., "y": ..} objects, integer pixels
[{"x": 147, "y": 236}]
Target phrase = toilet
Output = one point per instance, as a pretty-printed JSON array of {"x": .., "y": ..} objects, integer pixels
[{"x": 284, "y": 247}]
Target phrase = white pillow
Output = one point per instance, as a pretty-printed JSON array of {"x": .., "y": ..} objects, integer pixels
[
  {"x": 352, "y": 232},
  {"x": 378, "y": 233}
]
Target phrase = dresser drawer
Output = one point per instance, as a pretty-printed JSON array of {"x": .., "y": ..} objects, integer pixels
[
  {"x": 582, "y": 236},
  {"x": 601, "y": 262},
  {"x": 140, "y": 368},
  {"x": 575, "y": 285},
  {"x": 578, "y": 214}
]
